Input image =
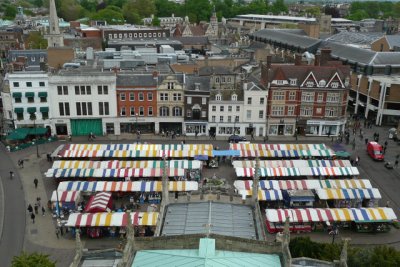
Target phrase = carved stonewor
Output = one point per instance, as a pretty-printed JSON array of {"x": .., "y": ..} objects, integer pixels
[{"x": 78, "y": 242}]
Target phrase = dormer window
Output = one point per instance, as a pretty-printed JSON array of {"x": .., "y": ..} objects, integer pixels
[
  {"x": 309, "y": 83},
  {"x": 335, "y": 84},
  {"x": 197, "y": 86},
  {"x": 218, "y": 97},
  {"x": 293, "y": 81},
  {"x": 279, "y": 82},
  {"x": 322, "y": 83},
  {"x": 234, "y": 97}
]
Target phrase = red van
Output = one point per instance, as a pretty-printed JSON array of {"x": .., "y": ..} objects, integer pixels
[{"x": 375, "y": 151}]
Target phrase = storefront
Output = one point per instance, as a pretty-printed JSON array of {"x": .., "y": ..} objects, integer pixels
[
  {"x": 133, "y": 127},
  {"x": 281, "y": 126},
  {"x": 324, "y": 128},
  {"x": 190, "y": 128}
]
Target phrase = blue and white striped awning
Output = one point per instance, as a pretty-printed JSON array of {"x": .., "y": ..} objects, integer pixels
[{"x": 348, "y": 194}]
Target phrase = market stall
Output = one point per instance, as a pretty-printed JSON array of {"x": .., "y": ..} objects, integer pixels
[
  {"x": 351, "y": 197},
  {"x": 101, "y": 202},
  {"x": 291, "y": 163},
  {"x": 264, "y": 195},
  {"x": 65, "y": 199},
  {"x": 298, "y": 198}
]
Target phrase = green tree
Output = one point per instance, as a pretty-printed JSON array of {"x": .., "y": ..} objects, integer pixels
[
  {"x": 70, "y": 10},
  {"x": 10, "y": 12},
  {"x": 164, "y": 8},
  {"x": 198, "y": 10},
  {"x": 111, "y": 14},
  {"x": 38, "y": 3},
  {"x": 156, "y": 21},
  {"x": 279, "y": 7},
  {"x": 35, "y": 40},
  {"x": 385, "y": 256},
  {"x": 89, "y": 5},
  {"x": 34, "y": 259},
  {"x": 314, "y": 11}
]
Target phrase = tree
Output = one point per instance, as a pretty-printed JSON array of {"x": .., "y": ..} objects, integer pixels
[
  {"x": 89, "y": 5},
  {"x": 35, "y": 40},
  {"x": 10, "y": 12},
  {"x": 109, "y": 14},
  {"x": 279, "y": 7},
  {"x": 156, "y": 21},
  {"x": 314, "y": 11},
  {"x": 70, "y": 10},
  {"x": 34, "y": 259},
  {"x": 198, "y": 10}
]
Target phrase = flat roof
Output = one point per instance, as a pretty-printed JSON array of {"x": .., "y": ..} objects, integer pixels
[{"x": 202, "y": 217}]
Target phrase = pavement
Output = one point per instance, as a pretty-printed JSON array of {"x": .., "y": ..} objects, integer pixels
[{"x": 40, "y": 236}]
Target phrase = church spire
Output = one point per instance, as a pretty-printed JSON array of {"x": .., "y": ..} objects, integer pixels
[{"x": 54, "y": 38}]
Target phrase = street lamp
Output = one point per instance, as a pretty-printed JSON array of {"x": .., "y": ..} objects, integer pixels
[
  {"x": 33, "y": 117},
  {"x": 234, "y": 124}
]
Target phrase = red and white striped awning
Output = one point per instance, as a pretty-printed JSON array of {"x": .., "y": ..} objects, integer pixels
[
  {"x": 331, "y": 215},
  {"x": 127, "y": 186},
  {"x": 105, "y": 219},
  {"x": 99, "y": 202},
  {"x": 297, "y": 163},
  {"x": 305, "y": 171},
  {"x": 65, "y": 196},
  {"x": 113, "y": 173}
]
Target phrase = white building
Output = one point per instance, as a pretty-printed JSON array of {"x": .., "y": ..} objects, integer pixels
[
  {"x": 254, "y": 109},
  {"x": 225, "y": 115},
  {"x": 83, "y": 102},
  {"x": 29, "y": 95}
]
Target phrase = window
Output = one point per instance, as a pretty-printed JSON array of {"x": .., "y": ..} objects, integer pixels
[
  {"x": 332, "y": 97},
  {"x": 104, "y": 108},
  {"x": 229, "y": 108},
  {"x": 320, "y": 97},
  {"x": 18, "y": 100},
  {"x": 62, "y": 90},
  {"x": 261, "y": 114},
  {"x": 149, "y": 111},
  {"x": 203, "y": 114},
  {"x": 290, "y": 110},
  {"x": 41, "y": 84},
  {"x": 234, "y": 97},
  {"x": 249, "y": 101},
  {"x": 164, "y": 111},
  {"x": 278, "y": 95},
  {"x": 77, "y": 92},
  {"x": 307, "y": 97},
  {"x": 330, "y": 112},
  {"x": 221, "y": 108},
  {"x": 132, "y": 111},
  {"x": 43, "y": 99},
  {"x": 177, "y": 97},
  {"x": 387, "y": 90},
  {"x": 141, "y": 96},
  {"x": 236, "y": 118},
  {"x": 122, "y": 96},
  {"x": 28, "y": 84},
  {"x": 280, "y": 82},
  {"x": 189, "y": 100},
  {"x": 292, "y": 95},
  {"x": 16, "y": 84},
  {"x": 262, "y": 101},
  {"x": 163, "y": 96},
  {"x": 177, "y": 111},
  {"x": 123, "y": 111},
  {"x": 334, "y": 84},
  {"x": 189, "y": 113},
  {"x": 30, "y": 99},
  {"x": 217, "y": 79},
  {"x": 170, "y": 85},
  {"x": 237, "y": 108},
  {"x": 141, "y": 111},
  {"x": 278, "y": 110},
  {"x": 322, "y": 83},
  {"x": 88, "y": 90},
  {"x": 309, "y": 83},
  {"x": 150, "y": 96},
  {"x": 84, "y": 108},
  {"x": 218, "y": 97},
  {"x": 64, "y": 108},
  {"x": 221, "y": 118},
  {"x": 20, "y": 116},
  {"x": 204, "y": 100},
  {"x": 45, "y": 115},
  {"x": 102, "y": 89},
  {"x": 306, "y": 111},
  {"x": 229, "y": 118},
  {"x": 293, "y": 81},
  {"x": 214, "y": 108},
  {"x": 213, "y": 118},
  {"x": 318, "y": 110},
  {"x": 131, "y": 96},
  {"x": 248, "y": 114}
]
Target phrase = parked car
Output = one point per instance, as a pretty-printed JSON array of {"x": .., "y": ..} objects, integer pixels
[
  {"x": 375, "y": 151},
  {"x": 236, "y": 139}
]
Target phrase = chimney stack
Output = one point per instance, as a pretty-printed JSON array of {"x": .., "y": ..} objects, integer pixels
[
  {"x": 317, "y": 60},
  {"x": 297, "y": 59},
  {"x": 325, "y": 56},
  {"x": 265, "y": 67}
]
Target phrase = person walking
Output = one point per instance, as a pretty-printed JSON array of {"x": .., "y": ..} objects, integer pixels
[
  {"x": 36, "y": 207},
  {"x": 58, "y": 232},
  {"x": 33, "y": 217},
  {"x": 36, "y": 181},
  {"x": 43, "y": 211},
  {"x": 11, "y": 175},
  {"x": 396, "y": 163},
  {"x": 30, "y": 208}
]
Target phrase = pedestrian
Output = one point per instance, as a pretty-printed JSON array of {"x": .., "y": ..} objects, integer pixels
[
  {"x": 36, "y": 207},
  {"x": 354, "y": 145},
  {"x": 30, "y": 209},
  {"x": 366, "y": 140},
  {"x": 387, "y": 204},
  {"x": 252, "y": 136},
  {"x": 397, "y": 156},
  {"x": 396, "y": 163},
  {"x": 386, "y": 143},
  {"x": 36, "y": 181},
  {"x": 58, "y": 232},
  {"x": 38, "y": 200},
  {"x": 43, "y": 211},
  {"x": 11, "y": 175},
  {"x": 384, "y": 149},
  {"x": 21, "y": 163},
  {"x": 33, "y": 217}
]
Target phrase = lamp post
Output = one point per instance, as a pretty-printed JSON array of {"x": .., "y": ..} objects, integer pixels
[
  {"x": 234, "y": 124},
  {"x": 33, "y": 117},
  {"x": 136, "y": 127}
]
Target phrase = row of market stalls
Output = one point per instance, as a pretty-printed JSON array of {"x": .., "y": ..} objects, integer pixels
[
  {"x": 98, "y": 183},
  {"x": 313, "y": 188}
]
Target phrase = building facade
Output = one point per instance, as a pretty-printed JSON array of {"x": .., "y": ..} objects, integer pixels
[
  {"x": 254, "y": 109},
  {"x": 83, "y": 102},
  {"x": 131, "y": 32}
]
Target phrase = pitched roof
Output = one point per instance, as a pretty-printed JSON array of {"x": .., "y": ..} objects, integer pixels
[
  {"x": 202, "y": 81},
  {"x": 217, "y": 70},
  {"x": 185, "y": 68},
  {"x": 393, "y": 40},
  {"x": 136, "y": 80},
  {"x": 197, "y": 30},
  {"x": 193, "y": 40},
  {"x": 355, "y": 38}
]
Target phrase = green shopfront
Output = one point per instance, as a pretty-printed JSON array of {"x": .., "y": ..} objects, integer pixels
[{"x": 86, "y": 126}]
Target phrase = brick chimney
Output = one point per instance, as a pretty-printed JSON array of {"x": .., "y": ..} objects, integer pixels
[
  {"x": 265, "y": 67},
  {"x": 317, "y": 60},
  {"x": 325, "y": 56},
  {"x": 297, "y": 59}
]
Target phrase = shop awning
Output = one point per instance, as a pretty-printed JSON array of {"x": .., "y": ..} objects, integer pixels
[
  {"x": 348, "y": 194},
  {"x": 17, "y": 94},
  {"x": 100, "y": 202},
  {"x": 331, "y": 215},
  {"x": 229, "y": 153},
  {"x": 22, "y": 133},
  {"x": 264, "y": 195},
  {"x": 19, "y": 110},
  {"x": 42, "y": 94},
  {"x": 65, "y": 196},
  {"x": 31, "y": 109},
  {"x": 127, "y": 186},
  {"x": 105, "y": 219},
  {"x": 29, "y": 94},
  {"x": 44, "y": 109},
  {"x": 296, "y": 163},
  {"x": 177, "y": 147}
]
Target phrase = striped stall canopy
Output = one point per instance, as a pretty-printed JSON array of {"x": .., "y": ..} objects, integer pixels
[
  {"x": 304, "y": 184},
  {"x": 65, "y": 196},
  {"x": 117, "y": 219},
  {"x": 285, "y": 153},
  {"x": 348, "y": 194},
  {"x": 277, "y": 146},
  {"x": 138, "y": 147},
  {"x": 264, "y": 195},
  {"x": 137, "y": 186},
  {"x": 291, "y": 163},
  {"x": 268, "y": 172},
  {"x": 184, "y": 153},
  {"x": 112, "y": 173},
  {"x": 330, "y": 171},
  {"x": 99, "y": 202},
  {"x": 331, "y": 215},
  {"x": 305, "y": 171}
]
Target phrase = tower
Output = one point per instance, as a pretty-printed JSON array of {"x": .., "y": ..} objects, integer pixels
[{"x": 54, "y": 38}]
